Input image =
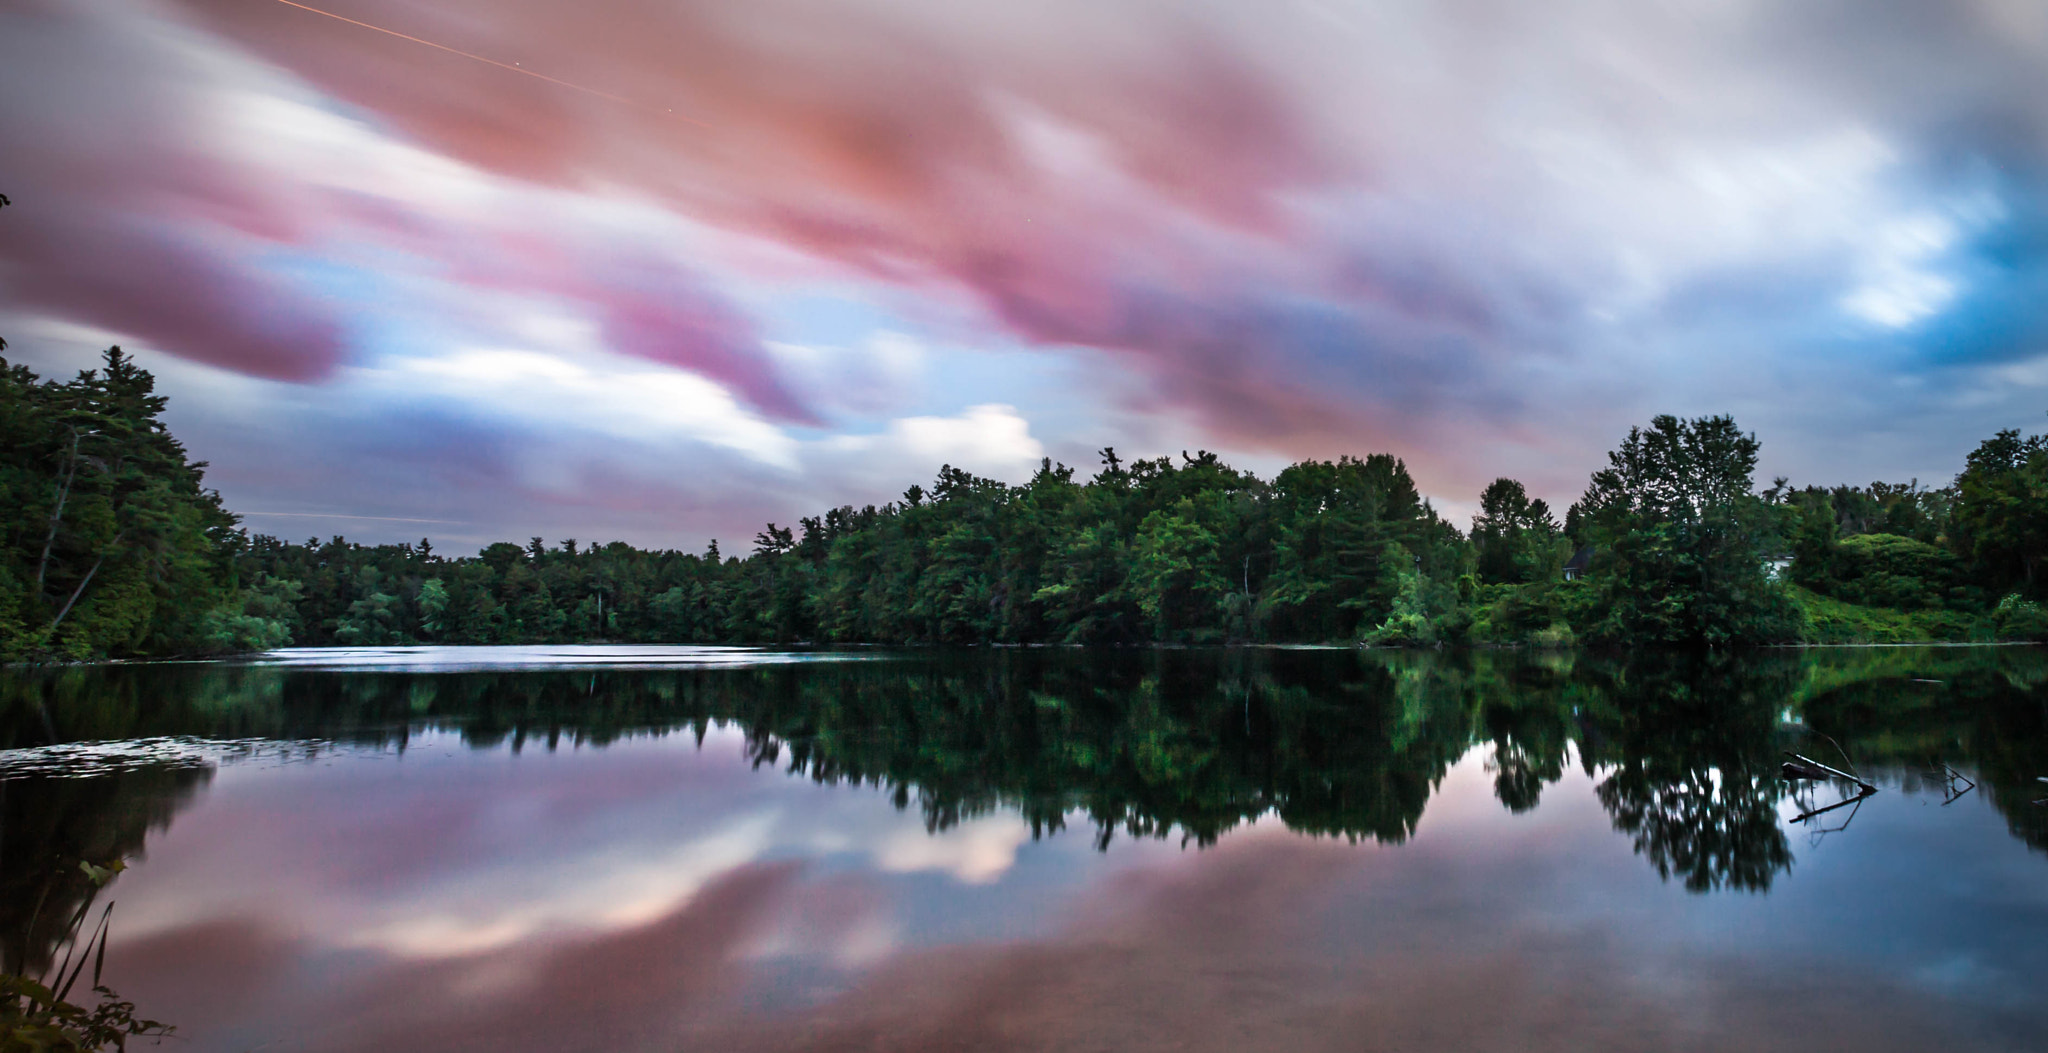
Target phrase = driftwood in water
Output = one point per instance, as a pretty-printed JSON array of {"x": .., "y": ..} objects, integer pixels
[
  {"x": 1807, "y": 768},
  {"x": 1795, "y": 770}
]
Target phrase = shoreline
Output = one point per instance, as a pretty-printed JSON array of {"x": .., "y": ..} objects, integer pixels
[{"x": 244, "y": 656}]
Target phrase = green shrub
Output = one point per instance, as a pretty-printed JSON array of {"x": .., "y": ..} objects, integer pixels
[
  {"x": 35, "y": 1019},
  {"x": 1533, "y": 615},
  {"x": 2020, "y": 619},
  {"x": 1425, "y": 612},
  {"x": 1830, "y": 620},
  {"x": 1885, "y": 570},
  {"x": 228, "y": 631}
]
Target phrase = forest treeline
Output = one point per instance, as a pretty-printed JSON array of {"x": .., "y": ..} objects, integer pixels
[{"x": 113, "y": 547}]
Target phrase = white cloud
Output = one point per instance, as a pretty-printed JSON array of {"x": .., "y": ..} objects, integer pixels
[
  {"x": 621, "y": 398},
  {"x": 1899, "y": 287},
  {"x": 992, "y": 440},
  {"x": 985, "y": 435},
  {"x": 2030, "y": 373},
  {"x": 882, "y": 373},
  {"x": 976, "y": 852},
  {"x": 637, "y": 410},
  {"x": 1580, "y": 179}
]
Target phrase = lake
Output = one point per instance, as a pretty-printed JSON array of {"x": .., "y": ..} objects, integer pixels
[{"x": 639, "y": 848}]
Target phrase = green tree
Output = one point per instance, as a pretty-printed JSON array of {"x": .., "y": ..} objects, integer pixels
[
  {"x": 1684, "y": 539},
  {"x": 1176, "y": 576},
  {"x": 433, "y": 607},
  {"x": 1516, "y": 540},
  {"x": 2000, "y": 520},
  {"x": 114, "y": 545},
  {"x": 373, "y": 621}
]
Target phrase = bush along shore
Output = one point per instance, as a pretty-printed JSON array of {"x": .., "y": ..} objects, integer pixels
[{"x": 114, "y": 548}]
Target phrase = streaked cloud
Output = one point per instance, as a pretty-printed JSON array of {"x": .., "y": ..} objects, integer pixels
[
  {"x": 597, "y": 394},
  {"x": 1483, "y": 236}
]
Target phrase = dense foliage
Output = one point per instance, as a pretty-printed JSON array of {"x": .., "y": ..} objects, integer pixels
[
  {"x": 1683, "y": 538},
  {"x": 111, "y": 545},
  {"x": 114, "y": 547},
  {"x": 1681, "y": 549},
  {"x": 1956, "y": 562},
  {"x": 1145, "y": 551},
  {"x": 2000, "y": 522}
]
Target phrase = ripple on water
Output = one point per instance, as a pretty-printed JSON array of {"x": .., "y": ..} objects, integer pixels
[{"x": 84, "y": 760}]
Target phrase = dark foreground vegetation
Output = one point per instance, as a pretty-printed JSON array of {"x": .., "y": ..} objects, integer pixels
[{"x": 113, "y": 547}]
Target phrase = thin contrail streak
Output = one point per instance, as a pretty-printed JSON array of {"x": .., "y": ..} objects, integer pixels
[
  {"x": 338, "y": 515},
  {"x": 523, "y": 71}
]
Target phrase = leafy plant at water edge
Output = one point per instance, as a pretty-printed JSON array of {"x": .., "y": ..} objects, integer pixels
[{"x": 36, "y": 1014}]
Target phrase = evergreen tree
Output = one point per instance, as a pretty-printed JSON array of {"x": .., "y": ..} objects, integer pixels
[
  {"x": 114, "y": 545},
  {"x": 1515, "y": 539}
]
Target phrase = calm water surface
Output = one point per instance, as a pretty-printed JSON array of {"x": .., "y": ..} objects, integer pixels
[{"x": 724, "y": 849}]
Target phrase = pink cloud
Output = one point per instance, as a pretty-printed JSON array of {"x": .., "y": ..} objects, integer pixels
[
  {"x": 123, "y": 220},
  {"x": 1123, "y": 180},
  {"x": 1307, "y": 230},
  {"x": 170, "y": 289},
  {"x": 646, "y": 306},
  {"x": 151, "y": 213},
  {"x": 1124, "y": 195}
]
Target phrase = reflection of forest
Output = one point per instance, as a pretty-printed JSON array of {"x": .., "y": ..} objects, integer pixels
[
  {"x": 49, "y": 825},
  {"x": 1684, "y": 748}
]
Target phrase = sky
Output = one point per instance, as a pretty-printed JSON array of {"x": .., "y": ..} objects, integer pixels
[{"x": 662, "y": 270}]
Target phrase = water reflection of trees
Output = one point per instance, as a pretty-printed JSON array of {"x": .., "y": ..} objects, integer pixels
[
  {"x": 1701, "y": 826},
  {"x": 1687, "y": 757},
  {"x": 1980, "y": 709},
  {"x": 49, "y": 825},
  {"x": 1683, "y": 749}
]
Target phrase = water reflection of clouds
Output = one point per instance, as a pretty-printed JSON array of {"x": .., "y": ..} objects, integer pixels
[
  {"x": 457, "y": 852},
  {"x": 977, "y": 851},
  {"x": 1393, "y": 839},
  {"x": 442, "y": 901},
  {"x": 453, "y": 898},
  {"x": 613, "y": 887}
]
